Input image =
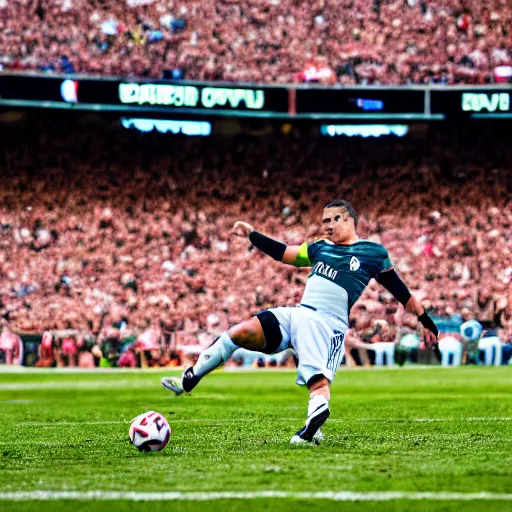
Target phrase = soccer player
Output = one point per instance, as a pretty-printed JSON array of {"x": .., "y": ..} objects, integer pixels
[{"x": 342, "y": 266}]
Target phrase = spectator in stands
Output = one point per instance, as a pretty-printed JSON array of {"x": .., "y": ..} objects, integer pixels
[
  {"x": 147, "y": 346},
  {"x": 11, "y": 347},
  {"x": 46, "y": 351},
  {"x": 362, "y": 42},
  {"x": 317, "y": 71}
]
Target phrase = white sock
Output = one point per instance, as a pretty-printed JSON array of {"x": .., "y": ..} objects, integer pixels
[
  {"x": 316, "y": 405},
  {"x": 215, "y": 355}
]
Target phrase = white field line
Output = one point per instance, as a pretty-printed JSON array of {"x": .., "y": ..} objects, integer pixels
[
  {"x": 67, "y": 423},
  {"x": 208, "y": 496},
  {"x": 93, "y": 384},
  {"x": 15, "y": 369},
  {"x": 235, "y": 420},
  {"x": 428, "y": 420}
]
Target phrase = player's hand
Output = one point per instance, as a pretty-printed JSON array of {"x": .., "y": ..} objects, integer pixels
[
  {"x": 241, "y": 229},
  {"x": 430, "y": 337}
]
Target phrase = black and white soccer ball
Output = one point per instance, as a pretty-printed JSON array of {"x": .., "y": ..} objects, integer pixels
[{"x": 150, "y": 432}]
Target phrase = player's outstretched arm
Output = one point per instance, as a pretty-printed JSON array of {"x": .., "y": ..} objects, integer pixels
[
  {"x": 392, "y": 282},
  {"x": 289, "y": 254}
]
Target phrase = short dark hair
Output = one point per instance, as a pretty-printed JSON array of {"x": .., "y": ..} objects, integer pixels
[{"x": 340, "y": 203}]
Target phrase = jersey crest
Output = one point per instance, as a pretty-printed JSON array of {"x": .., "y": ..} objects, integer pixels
[{"x": 354, "y": 264}]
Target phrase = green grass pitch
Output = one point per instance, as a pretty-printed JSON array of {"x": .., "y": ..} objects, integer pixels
[{"x": 407, "y": 430}]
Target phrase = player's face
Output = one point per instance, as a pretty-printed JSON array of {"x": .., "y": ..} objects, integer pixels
[{"x": 337, "y": 224}]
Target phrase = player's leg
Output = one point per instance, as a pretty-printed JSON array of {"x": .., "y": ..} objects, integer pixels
[
  {"x": 260, "y": 334},
  {"x": 320, "y": 349},
  {"x": 318, "y": 411},
  {"x": 248, "y": 334}
]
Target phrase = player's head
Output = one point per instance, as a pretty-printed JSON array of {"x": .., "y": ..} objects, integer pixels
[{"x": 339, "y": 221}]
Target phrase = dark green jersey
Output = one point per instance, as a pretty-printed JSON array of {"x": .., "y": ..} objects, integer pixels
[{"x": 340, "y": 273}]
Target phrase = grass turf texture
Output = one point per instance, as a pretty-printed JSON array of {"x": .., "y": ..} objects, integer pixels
[{"x": 69, "y": 432}]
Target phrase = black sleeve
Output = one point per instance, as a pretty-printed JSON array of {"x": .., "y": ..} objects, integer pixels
[
  {"x": 268, "y": 245},
  {"x": 395, "y": 285}
]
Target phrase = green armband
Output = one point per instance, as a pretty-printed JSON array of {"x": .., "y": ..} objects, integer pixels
[{"x": 302, "y": 259}]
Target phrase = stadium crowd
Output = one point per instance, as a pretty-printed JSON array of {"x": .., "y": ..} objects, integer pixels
[
  {"x": 266, "y": 41},
  {"x": 117, "y": 241}
]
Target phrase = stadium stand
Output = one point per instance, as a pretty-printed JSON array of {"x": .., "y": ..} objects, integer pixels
[{"x": 270, "y": 41}]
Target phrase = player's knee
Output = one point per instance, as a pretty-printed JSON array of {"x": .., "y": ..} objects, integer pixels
[
  {"x": 247, "y": 335},
  {"x": 270, "y": 329},
  {"x": 239, "y": 333}
]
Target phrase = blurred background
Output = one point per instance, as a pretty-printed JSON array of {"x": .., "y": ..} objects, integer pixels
[{"x": 134, "y": 134}]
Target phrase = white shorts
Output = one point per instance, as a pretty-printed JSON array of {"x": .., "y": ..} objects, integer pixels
[{"x": 317, "y": 337}]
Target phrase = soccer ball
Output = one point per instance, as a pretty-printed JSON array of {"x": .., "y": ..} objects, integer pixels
[{"x": 150, "y": 432}]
